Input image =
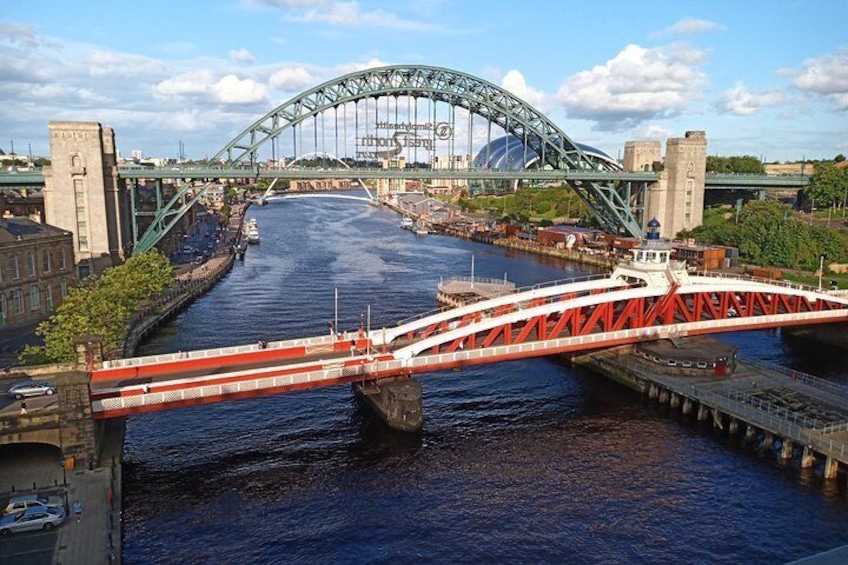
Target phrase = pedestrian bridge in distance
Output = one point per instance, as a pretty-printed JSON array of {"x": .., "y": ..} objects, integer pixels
[{"x": 646, "y": 298}]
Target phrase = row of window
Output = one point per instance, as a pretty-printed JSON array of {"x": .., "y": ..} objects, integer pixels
[
  {"x": 14, "y": 303},
  {"x": 13, "y": 266}
]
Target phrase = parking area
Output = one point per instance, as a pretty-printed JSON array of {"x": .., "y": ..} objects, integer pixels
[{"x": 25, "y": 469}]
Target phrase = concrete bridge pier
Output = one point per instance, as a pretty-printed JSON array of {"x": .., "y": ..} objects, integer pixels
[
  {"x": 674, "y": 403},
  {"x": 786, "y": 449},
  {"x": 750, "y": 432},
  {"x": 664, "y": 395},
  {"x": 733, "y": 426},
  {"x": 768, "y": 440},
  {"x": 396, "y": 401},
  {"x": 687, "y": 406},
  {"x": 653, "y": 392},
  {"x": 807, "y": 457},
  {"x": 703, "y": 413},
  {"x": 831, "y": 468},
  {"x": 717, "y": 420}
]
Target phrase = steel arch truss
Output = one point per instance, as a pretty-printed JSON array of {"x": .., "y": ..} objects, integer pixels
[
  {"x": 608, "y": 202},
  {"x": 690, "y": 311}
]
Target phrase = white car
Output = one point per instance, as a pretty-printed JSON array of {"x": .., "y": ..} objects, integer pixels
[
  {"x": 19, "y": 504},
  {"x": 40, "y": 518},
  {"x": 30, "y": 388}
]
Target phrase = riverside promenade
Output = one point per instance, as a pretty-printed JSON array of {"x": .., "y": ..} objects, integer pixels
[{"x": 93, "y": 537}]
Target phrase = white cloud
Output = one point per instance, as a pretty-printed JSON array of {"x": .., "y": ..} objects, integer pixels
[
  {"x": 742, "y": 102},
  {"x": 826, "y": 76},
  {"x": 17, "y": 34},
  {"x": 192, "y": 83},
  {"x": 639, "y": 84},
  {"x": 354, "y": 67},
  {"x": 233, "y": 90},
  {"x": 339, "y": 13},
  {"x": 515, "y": 83},
  {"x": 110, "y": 64},
  {"x": 242, "y": 56},
  {"x": 690, "y": 26},
  {"x": 290, "y": 79},
  {"x": 653, "y": 132}
]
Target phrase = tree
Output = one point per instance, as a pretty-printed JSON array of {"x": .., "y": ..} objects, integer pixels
[
  {"x": 839, "y": 158},
  {"x": 102, "y": 307},
  {"x": 746, "y": 164},
  {"x": 828, "y": 185}
]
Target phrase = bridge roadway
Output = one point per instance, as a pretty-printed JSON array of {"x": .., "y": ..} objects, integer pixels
[
  {"x": 635, "y": 303},
  {"x": 11, "y": 179}
]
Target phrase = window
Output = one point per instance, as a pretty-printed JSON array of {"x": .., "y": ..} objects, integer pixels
[
  {"x": 46, "y": 267},
  {"x": 62, "y": 259},
  {"x": 30, "y": 263},
  {"x": 63, "y": 288},
  {"x": 2, "y": 309},
  {"x": 18, "y": 301},
  {"x": 16, "y": 268},
  {"x": 82, "y": 225},
  {"x": 48, "y": 298},
  {"x": 34, "y": 298}
]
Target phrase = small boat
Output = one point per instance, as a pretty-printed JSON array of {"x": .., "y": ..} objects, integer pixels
[
  {"x": 407, "y": 224},
  {"x": 421, "y": 228},
  {"x": 252, "y": 231}
]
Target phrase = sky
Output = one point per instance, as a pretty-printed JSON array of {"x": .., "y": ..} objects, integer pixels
[{"x": 762, "y": 78}]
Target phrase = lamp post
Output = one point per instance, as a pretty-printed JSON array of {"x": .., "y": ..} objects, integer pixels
[{"x": 821, "y": 269}]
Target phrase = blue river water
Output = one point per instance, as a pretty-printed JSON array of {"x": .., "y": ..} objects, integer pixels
[{"x": 523, "y": 462}]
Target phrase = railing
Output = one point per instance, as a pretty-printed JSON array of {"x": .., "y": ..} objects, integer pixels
[
  {"x": 800, "y": 376},
  {"x": 767, "y": 420}
]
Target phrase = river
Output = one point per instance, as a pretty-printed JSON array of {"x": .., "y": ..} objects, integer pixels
[{"x": 523, "y": 462}]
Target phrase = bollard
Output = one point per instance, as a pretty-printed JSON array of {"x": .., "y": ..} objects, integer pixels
[{"x": 33, "y": 486}]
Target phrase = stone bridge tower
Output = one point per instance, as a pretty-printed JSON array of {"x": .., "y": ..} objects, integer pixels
[{"x": 82, "y": 194}]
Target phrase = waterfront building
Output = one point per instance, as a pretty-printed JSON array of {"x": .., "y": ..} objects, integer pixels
[{"x": 36, "y": 270}]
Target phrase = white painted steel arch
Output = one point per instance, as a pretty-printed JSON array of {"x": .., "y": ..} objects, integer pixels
[{"x": 698, "y": 285}]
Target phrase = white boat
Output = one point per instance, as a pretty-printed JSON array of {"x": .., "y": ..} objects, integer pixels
[
  {"x": 407, "y": 224},
  {"x": 252, "y": 231},
  {"x": 421, "y": 228}
]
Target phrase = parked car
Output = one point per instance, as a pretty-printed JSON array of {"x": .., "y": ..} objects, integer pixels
[
  {"x": 36, "y": 518},
  {"x": 18, "y": 504},
  {"x": 30, "y": 388}
]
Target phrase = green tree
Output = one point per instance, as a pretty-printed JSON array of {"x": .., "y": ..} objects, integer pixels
[
  {"x": 828, "y": 185},
  {"x": 746, "y": 164},
  {"x": 101, "y": 307}
]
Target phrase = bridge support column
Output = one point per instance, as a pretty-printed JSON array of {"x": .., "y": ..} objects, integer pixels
[
  {"x": 768, "y": 440},
  {"x": 687, "y": 406},
  {"x": 717, "y": 417},
  {"x": 807, "y": 457},
  {"x": 733, "y": 427},
  {"x": 703, "y": 413},
  {"x": 664, "y": 394},
  {"x": 653, "y": 392},
  {"x": 786, "y": 449},
  {"x": 397, "y": 401},
  {"x": 750, "y": 432},
  {"x": 674, "y": 403},
  {"x": 831, "y": 468}
]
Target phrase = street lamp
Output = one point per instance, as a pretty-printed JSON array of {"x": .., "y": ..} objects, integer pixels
[{"x": 821, "y": 269}]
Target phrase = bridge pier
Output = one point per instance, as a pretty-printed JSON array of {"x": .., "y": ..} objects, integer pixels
[
  {"x": 687, "y": 406},
  {"x": 397, "y": 401},
  {"x": 674, "y": 403},
  {"x": 807, "y": 457},
  {"x": 786, "y": 449},
  {"x": 717, "y": 417},
  {"x": 733, "y": 427},
  {"x": 653, "y": 392},
  {"x": 831, "y": 468},
  {"x": 703, "y": 413},
  {"x": 768, "y": 440},
  {"x": 750, "y": 432},
  {"x": 664, "y": 394}
]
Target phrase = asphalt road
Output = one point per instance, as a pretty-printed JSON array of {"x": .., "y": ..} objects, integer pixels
[{"x": 28, "y": 548}]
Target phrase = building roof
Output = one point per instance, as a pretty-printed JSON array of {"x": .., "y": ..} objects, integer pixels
[
  {"x": 510, "y": 153},
  {"x": 23, "y": 229}
]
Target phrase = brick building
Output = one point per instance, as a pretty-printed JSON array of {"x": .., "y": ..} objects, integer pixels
[{"x": 36, "y": 270}]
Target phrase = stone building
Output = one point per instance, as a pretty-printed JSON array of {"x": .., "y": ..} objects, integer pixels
[
  {"x": 677, "y": 198},
  {"x": 82, "y": 194},
  {"x": 36, "y": 269}
]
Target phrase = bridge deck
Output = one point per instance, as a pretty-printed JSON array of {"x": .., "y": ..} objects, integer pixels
[{"x": 802, "y": 408}]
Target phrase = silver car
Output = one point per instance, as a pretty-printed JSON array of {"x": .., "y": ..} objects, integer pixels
[
  {"x": 18, "y": 504},
  {"x": 36, "y": 518},
  {"x": 30, "y": 388}
]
